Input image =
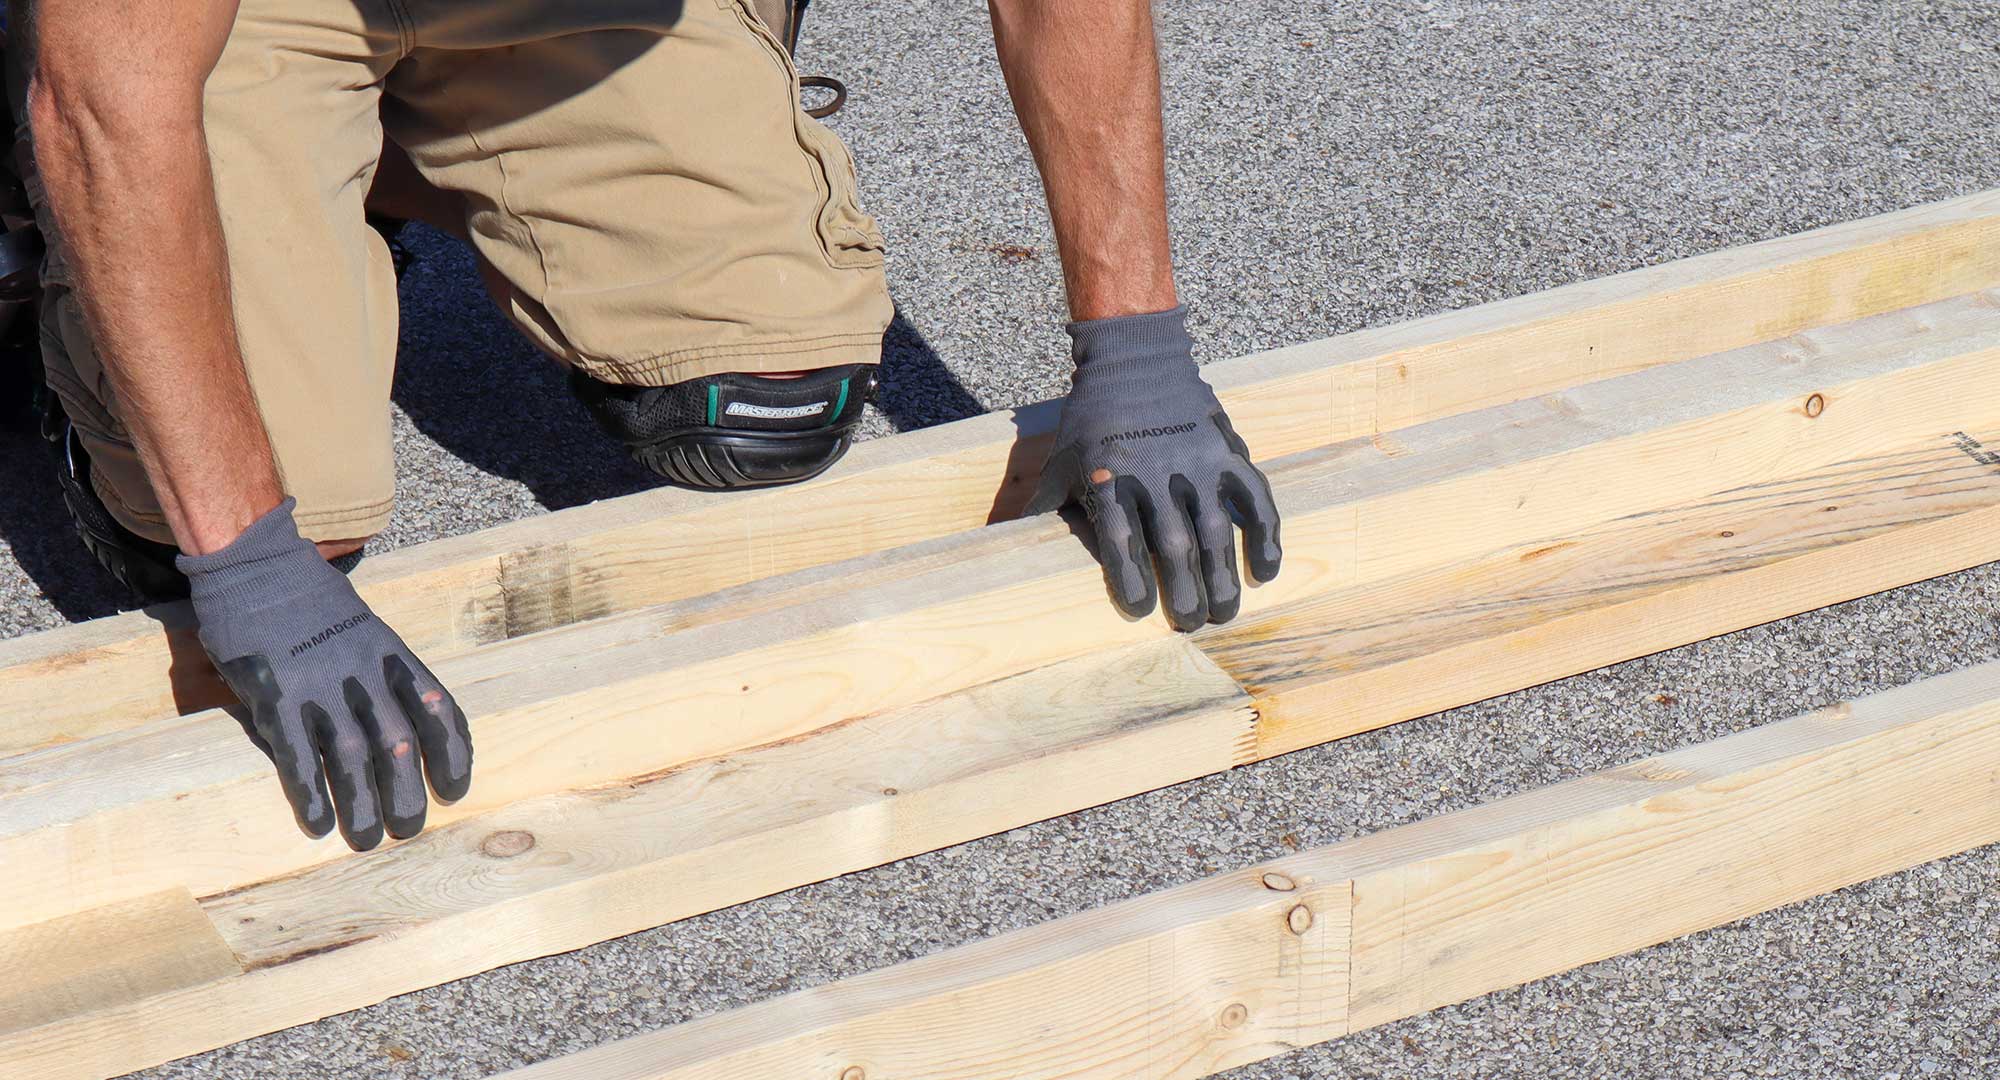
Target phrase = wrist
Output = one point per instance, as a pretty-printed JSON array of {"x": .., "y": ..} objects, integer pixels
[
  {"x": 267, "y": 554},
  {"x": 215, "y": 528},
  {"x": 210, "y": 511},
  {"x": 1150, "y": 341}
]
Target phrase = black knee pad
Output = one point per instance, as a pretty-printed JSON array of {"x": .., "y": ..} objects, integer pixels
[
  {"x": 144, "y": 566},
  {"x": 718, "y": 459},
  {"x": 734, "y": 431}
]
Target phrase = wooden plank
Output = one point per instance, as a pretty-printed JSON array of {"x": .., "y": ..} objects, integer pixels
[
  {"x": 193, "y": 805},
  {"x": 661, "y": 546},
  {"x": 555, "y": 873},
  {"x": 1359, "y": 659},
  {"x": 1665, "y": 847},
  {"x": 108, "y": 958},
  {"x": 558, "y": 873},
  {"x": 728, "y": 829},
  {"x": 1222, "y": 975},
  {"x": 1442, "y": 911}
]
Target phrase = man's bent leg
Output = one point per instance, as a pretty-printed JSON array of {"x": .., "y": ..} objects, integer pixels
[
  {"x": 314, "y": 298},
  {"x": 654, "y": 209},
  {"x": 294, "y": 131}
]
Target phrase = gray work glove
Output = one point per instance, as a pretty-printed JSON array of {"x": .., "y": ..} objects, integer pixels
[
  {"x": 1146, "y": 448},
  {"x": 333, "y": 694}
]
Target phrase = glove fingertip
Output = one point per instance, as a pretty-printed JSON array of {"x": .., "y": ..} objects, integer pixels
[
  {"x": 442, "y": 731},
  {"x": 315, "y": 824},
  {"x": 301, "y": 777},
  {"x": 451, "y": 787},
  {"x": 1262, "y": 551},
  {"x": 1186, "y": 604},
  {"x": 404, "y": 826},
  {"x": 1134, "y": 607},
  {"x": 452, "y": 778},
  {"x": 1224, "y": 588},
  {"x": 1265, "y": 565},
  {"x": 366, "y": 838},
  {"x": 450, "y": 770}
]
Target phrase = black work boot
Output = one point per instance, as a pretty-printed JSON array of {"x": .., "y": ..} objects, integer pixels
[
  {"x": 144, "y": 566},
  {"x": 734, "y": 431}
]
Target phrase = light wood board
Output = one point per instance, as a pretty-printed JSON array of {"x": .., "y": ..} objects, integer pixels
[
  {"x": 190, "y": 804},
  {"x": 555, "y": 873},
  {"x": 1357, "y": 659},
  {"x": 851, "y": 711},
  {"x": 1247, "y": 965},
  {"x": 622, "y": 554}
]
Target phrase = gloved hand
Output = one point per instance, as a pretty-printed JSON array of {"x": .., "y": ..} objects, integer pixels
[
  {"x": 333, "y": 693},
  {"x": 1144, "y": 445}
]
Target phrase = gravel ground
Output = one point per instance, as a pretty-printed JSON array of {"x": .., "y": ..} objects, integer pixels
[{"x": 1336, "y": 165}]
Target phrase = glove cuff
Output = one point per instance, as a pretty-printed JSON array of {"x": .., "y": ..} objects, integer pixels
[
  {"x": 1148, "y": 340},
  {"x": 267, "y": 554}
]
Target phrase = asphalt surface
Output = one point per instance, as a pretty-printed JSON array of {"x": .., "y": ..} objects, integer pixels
[{"x": 1335, "y": 165}]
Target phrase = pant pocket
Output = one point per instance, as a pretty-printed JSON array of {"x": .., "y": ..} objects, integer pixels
[
  {"x": 71, "y": 368},
  {"x": 847, "y": 234}
]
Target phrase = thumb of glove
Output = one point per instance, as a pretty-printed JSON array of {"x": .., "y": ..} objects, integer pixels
[{"x": 1059, "y": 483}]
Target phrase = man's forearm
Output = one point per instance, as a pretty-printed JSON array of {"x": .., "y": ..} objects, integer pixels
[
  {"x": 125, "y": 165},
  {"x": 1085, "y": 79}
]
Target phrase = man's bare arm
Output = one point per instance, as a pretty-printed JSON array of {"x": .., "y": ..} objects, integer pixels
[
  {"x": 333, "y": 695},
  {"x": 1085, "y": 79},
  {"x": 115, "y": 104},
  {"x": 1142, "y": 444}
]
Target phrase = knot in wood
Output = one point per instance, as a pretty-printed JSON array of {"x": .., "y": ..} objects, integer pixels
[
  {"x": 1277, "y": 882},
  {"x": 1235, "y": 1016},
  {"x": 1815, "y": 405},
  {"x": 507, "y": 844},
  {"x": 1299, "y": 919},
  {"x": 854, "y": 1072}
]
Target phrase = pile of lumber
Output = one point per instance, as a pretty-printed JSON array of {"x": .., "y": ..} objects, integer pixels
[{"x": 686, "y": 701}]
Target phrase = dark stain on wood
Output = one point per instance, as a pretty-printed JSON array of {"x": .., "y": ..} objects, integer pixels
[
  {"x": 1549, "y": 550},
  {"x": 304, "y": 954},
  {"x": 1974, "y": 449},
  {"x": 537, "y": 588}
]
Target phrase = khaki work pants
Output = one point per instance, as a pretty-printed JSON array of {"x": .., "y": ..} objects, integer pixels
[{"x": 644, "y": 194}]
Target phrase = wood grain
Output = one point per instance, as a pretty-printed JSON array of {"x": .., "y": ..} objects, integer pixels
[
  {"x": 1358, "y": 659},
  {"x": 660, "y": 546},
  {"x": 806, "y": 710},
  {"x": 1467, "y": 904},
  {"x": 194, "y": 806},
  {"x": 1442, "y": 911},
  {"x": 108, "y": 958},
  {"x": 1183, "y": 984},
  {"x": 723, "y": 830},
  {"x": 550, "y": 874},
  {"x": 554, "y": 873},
  {"x": 557, "y": 873}
]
